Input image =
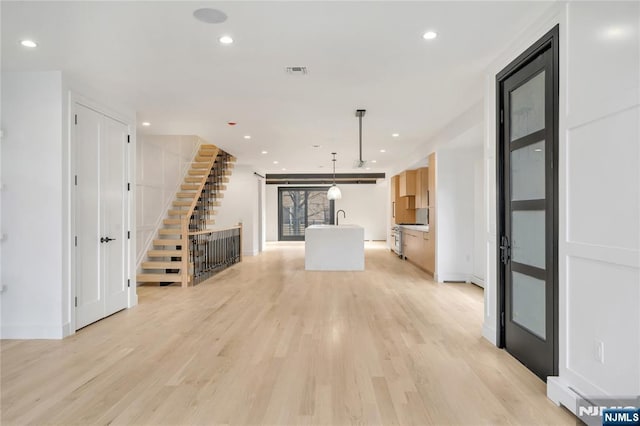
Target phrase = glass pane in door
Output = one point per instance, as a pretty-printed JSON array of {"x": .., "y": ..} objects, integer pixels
[
  {"x": 318, "y": 211},
  {"x": 293, "y": 213},
  {"x": 528, "y": 303},
  {"x": 527, "y": 172},
  {"x": 527, "y": 107},
  {"x": 528, "y": 237}
]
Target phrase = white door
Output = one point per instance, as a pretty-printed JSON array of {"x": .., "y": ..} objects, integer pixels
[
  {"x": 113, "y": 188},
  {"x": 100, "y": 215}
]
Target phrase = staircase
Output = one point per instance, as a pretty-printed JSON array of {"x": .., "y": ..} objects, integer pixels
[{"x": 192, "y": 210}]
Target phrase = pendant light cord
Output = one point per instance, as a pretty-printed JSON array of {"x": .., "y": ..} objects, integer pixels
[
  {"x": 360, "y": 127},
  {"x": 334, "y": 168}
]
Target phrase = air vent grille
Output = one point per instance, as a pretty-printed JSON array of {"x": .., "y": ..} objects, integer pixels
[{"x": 297, "y": 70}]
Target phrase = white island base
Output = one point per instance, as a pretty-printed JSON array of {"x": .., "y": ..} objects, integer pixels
[{"x": 334, "y": 248}]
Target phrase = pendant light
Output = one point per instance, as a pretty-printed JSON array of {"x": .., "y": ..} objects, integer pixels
[{"x": 334, "y": 192}]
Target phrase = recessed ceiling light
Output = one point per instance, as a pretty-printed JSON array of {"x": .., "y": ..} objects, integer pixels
[
  {"x": 264, "y": 152},
  {"x": 429, "y": 35},
  {"x": 29, "y": 43},
  {"x": 247, "y": 136},
  {"x": 275, "y": 162},
  {"x": 383, "y": 150},
  {"x": 146, "y": 124},
  {"x": 225, "y": 39},
  {"x": 374, "y": 161},
  {"x": 395, "y": 135}
]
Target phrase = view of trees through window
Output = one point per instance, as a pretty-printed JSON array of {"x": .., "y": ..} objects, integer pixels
[{"x": 302, "y": 207}]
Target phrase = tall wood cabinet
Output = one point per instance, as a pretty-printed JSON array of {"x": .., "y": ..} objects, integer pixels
[
  {"x": 430, "y": 244},
  {"x": 403, "y": 208},
  {"x": 422, "y": 189}
]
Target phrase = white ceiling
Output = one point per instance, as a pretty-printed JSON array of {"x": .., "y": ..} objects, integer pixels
[{"x": 154, "y": 57}]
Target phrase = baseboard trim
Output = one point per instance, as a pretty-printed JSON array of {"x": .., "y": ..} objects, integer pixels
[
  {"x": 33, "y": 331},
  {"x": 489, "y": 333},
  {"x": 561, "y": 393},
  {"x": 477, "y": 281},
  {"x": 454, "y": 277}
]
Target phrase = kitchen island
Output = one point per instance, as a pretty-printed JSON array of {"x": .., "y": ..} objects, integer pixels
[{"x": 334, "y": 248}]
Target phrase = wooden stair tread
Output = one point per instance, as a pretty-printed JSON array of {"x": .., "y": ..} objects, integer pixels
[
  {"x": 194, "y": 179},
  {"x": 198, "y": 172},
  {"x": 177, "y": 212},
  {"x": 172, "y": 221},
  {"x": 186, "y": 194},
  {"x": 167, "y": 242},
  {"x": 187, "y": 187},
  {"x": 164, "y": 253},
  {"x": 169, "y": 231},
  {"x": 152, "y": 278},
  {"x": 201, "y": 165},
  {"x": 181, "y": 203},
  {"x": 161, "y": 265}
]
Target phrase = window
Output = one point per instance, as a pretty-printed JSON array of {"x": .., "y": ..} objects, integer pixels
[{"x": 299, "y": 207}]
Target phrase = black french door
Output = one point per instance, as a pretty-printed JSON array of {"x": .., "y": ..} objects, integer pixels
[
  {"x": 528, "y": 206},
  {"x": 299, "y": 207}
]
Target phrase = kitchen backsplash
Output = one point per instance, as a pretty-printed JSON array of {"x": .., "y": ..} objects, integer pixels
[{"x": 422, "y": 216}]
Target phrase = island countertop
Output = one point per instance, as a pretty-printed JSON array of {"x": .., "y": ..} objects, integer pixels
[{"x": 423, "y": 228}]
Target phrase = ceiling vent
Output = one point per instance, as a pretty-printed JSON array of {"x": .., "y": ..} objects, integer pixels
[{"x": 297, "y": 70}]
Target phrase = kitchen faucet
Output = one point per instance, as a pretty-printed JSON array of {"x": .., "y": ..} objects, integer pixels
[{"x": 344, "y": 216}]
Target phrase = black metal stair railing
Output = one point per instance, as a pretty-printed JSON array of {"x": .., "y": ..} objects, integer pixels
[
  {"x": 211, "y": 251},
  {"x": 209, "y": 196}
]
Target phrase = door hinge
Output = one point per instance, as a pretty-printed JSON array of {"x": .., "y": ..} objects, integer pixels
[
  {"x": 76, "y": 180},
  {"x": 76, "y": 301},
  {"x": 501, "y": 116},
  {"x": 76, "y": 119},
  {"x": 128, "y": 138},
  {"x": 128, "y": 187},
  {"x": 76, "y": 241},
  {"x": 128, "y": 235},
  {"x": 502, "y": 319},
  {"x": 128, "y": 283}
]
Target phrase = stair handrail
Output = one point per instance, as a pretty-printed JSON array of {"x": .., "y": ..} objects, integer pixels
[{"x": 184, "y": 226}]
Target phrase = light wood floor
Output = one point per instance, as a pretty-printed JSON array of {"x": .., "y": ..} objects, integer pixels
[{"x": 266, "y": 342}]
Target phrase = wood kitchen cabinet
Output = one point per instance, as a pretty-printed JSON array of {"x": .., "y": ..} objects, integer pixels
[
  {"x": 412, "y": 246},
  {"x": 422, "y": 188},
  {"x": 431, "y": 180},
  {"x": 419, "y": 248},
  {"x": 407, "y": 183},
  {"x": 429, "y": 247},
  {"x": 402, "y": 208}
]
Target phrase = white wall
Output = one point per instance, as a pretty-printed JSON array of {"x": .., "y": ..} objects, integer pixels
[
  {"x": 455, "y": 208},
  {"x": 241, "y": 204},
  {"x": 599, "y": 193},
  {"x": 364, "y": 204},
  {"x": 479, "y": 223},
  {"x": 32, "y": 219},
  {"x": 162, "y": 162},
  {"x": 37, "y": 203}
]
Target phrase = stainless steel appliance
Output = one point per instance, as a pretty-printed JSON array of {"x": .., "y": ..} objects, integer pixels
[{"x": 396, "y": 237}]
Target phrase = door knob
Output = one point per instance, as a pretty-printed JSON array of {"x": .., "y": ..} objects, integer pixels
[{"x": 106, "y": 239}]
